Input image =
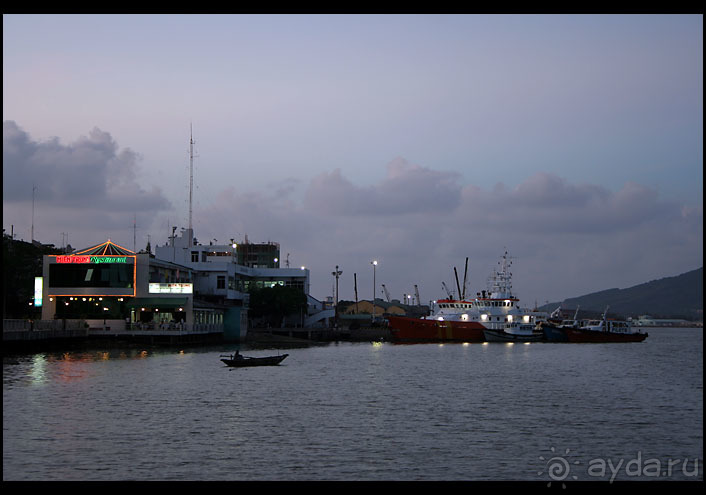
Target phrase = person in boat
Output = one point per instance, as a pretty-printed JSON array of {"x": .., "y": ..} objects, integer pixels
[{"x": 237, "y": 354}]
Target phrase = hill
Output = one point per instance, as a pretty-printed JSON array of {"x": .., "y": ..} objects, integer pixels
[{"x": 671, "y": 297}]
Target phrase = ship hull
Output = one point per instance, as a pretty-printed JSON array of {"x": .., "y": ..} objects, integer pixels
[
  {"x": 579, "y": 335},
  {"x": 554, "y": 334},
  {"x": 502, "y": 336},
  {"x": 405, "y": 329}
]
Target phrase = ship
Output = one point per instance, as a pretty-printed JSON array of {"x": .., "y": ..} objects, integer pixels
[
  {"x": 515, "y": 332},
  {"x": 601, "y": 330},
  {"x": 467, "y": 319}
]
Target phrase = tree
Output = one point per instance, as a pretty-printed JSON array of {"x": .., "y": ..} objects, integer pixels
[
  {"x": 22, "y": 261},
  {"x": 274, "y": 303}
]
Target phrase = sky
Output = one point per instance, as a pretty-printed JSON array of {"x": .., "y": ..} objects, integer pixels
[{"x": 573, "y": 142}]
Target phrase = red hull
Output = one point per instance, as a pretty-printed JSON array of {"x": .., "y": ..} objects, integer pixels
[
  {"x": 406, "y": 329},
  {"x": 576, "y": 335}
]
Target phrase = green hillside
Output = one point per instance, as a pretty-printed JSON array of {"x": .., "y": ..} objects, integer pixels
[{"x": 671, "y": 297}]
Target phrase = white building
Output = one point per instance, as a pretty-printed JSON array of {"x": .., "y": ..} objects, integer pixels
[{"x": 220, "y": 279}]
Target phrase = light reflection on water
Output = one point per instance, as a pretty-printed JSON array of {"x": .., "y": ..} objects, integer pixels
[{"x": 353, "y": 411}]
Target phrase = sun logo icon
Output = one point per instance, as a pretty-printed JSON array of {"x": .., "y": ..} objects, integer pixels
[{"x": 558, "y": 468}]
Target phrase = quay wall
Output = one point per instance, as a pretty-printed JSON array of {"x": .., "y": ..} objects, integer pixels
[{"x": 32, "y": 333}]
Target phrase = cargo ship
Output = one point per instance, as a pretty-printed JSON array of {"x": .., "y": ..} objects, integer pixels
[{"x": 466, "y": 319}]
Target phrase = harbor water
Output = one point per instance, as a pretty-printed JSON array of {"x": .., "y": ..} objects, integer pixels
[{"x": 360, "y": 411}]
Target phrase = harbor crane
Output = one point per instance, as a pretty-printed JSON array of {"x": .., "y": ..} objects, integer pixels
[{"x": 387, "y": 294}]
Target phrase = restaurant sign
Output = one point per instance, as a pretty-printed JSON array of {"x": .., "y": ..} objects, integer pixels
[{"x": 91, "y": 259}]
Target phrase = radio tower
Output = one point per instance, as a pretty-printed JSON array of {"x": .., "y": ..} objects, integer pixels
[{"x": 191, "y": 181}]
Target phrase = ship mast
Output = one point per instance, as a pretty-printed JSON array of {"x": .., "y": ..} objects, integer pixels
[{"x": 501, "y": 285}]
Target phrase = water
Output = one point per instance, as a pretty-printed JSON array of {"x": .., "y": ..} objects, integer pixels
[{"x": 361, "y": 411}]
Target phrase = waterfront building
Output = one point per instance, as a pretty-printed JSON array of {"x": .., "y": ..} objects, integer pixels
[
  {"x": 113, "y": 288},
  {"x": 649, "y": 321},
  {"x": 224, "y": 273},
  {"x": 185, "y": 285}
]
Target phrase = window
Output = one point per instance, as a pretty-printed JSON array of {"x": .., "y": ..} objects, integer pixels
[
  {"x": 221, "y": 282},
  {"x": 194, "y": 256},
  {"x": 91, "y": 275}
]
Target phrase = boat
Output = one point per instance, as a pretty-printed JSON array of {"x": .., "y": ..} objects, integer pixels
[
  {"x": 515, "y": 332},
  {"x": 553, "y": 333},
  {"x": 556, "y": 332},
  {"x": 439, "y": 329},
  {"x": 466, "y": 319},
  {"x": 604, "y": 330},
  {"x": 238, "y": 361}
]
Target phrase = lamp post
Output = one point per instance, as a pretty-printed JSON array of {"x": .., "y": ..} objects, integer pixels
[
  {"x": 372, "y": 320},
  {"x": 336, "y": 274}
]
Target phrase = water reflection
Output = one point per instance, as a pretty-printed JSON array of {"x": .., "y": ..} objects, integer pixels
[{"x": 66, "y": 366}]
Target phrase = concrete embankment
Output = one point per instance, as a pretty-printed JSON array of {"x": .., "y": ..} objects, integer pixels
[
  {"x": 27, "y": 334},
  {"x": 308, "y": 335}
]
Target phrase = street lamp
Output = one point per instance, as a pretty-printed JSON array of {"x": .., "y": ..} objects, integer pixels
[
  {"x": 374, "y": 263},
  {"x": 336, "y": 274}
]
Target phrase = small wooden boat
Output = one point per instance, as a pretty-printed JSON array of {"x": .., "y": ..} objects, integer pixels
[{"x": 239, "y": 361}]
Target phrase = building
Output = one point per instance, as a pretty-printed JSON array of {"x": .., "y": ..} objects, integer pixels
[
  {"x": 648, "y": 321},
  {"x": 111, "y": 287},
  {"x": 219, "y": 278},
  {"x": 185, "y": 285}
]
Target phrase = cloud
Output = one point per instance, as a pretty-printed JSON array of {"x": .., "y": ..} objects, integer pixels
[
  {"x": 90, "y": 171},
  {"x": 568, "y": 239},
  {"x": 88, "y": 186},
  {"x": 407, "y": 189}
]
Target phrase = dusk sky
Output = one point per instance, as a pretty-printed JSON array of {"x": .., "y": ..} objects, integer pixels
[{"x": 574, "y": 142}]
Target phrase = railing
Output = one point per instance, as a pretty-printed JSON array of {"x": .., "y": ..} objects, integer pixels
[
  {"x": 41, "y": 325},
  {"x": 173, "y": 328}
]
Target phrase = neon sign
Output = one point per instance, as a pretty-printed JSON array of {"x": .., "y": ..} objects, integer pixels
[
  {"x": 91, "y": 259},
  {"x": 38, "y": 287}
]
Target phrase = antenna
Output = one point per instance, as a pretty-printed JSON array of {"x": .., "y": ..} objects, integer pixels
[
  {"x": 34, "y": 188},
  {"x": 191, "y": 180},
  {"x": 134, "y": 232}
]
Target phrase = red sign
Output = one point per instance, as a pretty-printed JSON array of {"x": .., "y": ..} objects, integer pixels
[{"x": 73, "y": 259}]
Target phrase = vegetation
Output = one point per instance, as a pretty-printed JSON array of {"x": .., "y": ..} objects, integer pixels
[
  {"x": 275, "y": 303},
  {"x": 21, "y": 262}
]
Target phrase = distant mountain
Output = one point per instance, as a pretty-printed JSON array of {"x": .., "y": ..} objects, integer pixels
[{"x": 672, "y": 297}]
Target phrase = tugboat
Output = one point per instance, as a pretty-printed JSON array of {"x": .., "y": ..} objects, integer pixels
[{"x": 467, "y": 319}]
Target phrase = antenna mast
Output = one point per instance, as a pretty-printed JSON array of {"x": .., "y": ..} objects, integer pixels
[
  {"x": 134, "y": 232},
  {"x": 34, "y": 188},
  {"x": 191, "y": 180}
]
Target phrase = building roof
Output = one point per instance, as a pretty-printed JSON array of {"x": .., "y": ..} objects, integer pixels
[{"x": 108, "y": 248}]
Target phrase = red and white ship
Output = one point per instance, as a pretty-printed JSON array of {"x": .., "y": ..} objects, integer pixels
[{"x": 466, "y": 319}]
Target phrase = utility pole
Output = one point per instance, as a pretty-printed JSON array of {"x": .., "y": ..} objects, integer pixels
[
  {"x": 372, "y": 319},
  {"x": 355, "y": 288},
  {"x": 336, "y": 274}
]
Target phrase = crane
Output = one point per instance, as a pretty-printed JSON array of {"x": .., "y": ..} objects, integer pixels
[
  {"x": 387, "y": 294},
  {"x": 448, "y": 292}
]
